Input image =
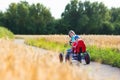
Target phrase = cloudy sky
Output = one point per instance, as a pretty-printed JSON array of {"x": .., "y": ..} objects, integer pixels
[{"x": 56, "y": 6}]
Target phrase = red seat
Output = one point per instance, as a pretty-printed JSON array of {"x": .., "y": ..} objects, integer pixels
[{"x": 79, "y": 46}]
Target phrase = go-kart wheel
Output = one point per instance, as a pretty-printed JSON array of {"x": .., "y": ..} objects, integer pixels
[
  {"x": 61, "y": 57},
  {"x": 79, "y": 57},
  {"x": 87, "y": 58}
]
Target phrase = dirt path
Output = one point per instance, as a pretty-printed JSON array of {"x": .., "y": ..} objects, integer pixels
[
  {"x": 21, "y": 42},
  {"x": 102, "y": 71},
  {"x": 96, "y": 70}
]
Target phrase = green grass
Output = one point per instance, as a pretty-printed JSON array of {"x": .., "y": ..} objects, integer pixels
[
  {"x": 43, "y": 43},
  {"x": 104, "y": 55},
  {"x": 5, "y": 33}
]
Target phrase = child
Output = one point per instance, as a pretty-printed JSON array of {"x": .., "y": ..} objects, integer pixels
[{"x": 72, "y": 35}]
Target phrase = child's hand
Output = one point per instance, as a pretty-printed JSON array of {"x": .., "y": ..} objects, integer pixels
[{"x": 70, "y": 42}]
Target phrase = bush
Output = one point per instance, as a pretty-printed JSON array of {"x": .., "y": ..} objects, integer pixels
[{"x": 5, "y": 33}]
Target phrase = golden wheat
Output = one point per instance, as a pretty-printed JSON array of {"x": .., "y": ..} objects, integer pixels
[
  {"x": 20, "y": 62},
  {"x": 111, "y": 41}
]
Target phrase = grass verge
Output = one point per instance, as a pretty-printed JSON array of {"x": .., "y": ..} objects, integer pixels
[
  {"x": 46, "y": 44},
  {"x": 5, "y": 33}
]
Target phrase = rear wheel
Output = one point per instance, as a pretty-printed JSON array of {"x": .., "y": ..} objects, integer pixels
[
  {"x": 87, "y": 58},
  {"x": 79, "y": 57},
  {"x": 61, "y": 57}
]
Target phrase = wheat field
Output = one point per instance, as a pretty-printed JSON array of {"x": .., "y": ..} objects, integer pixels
[
  {"x": 111, "y": 41},
  {"x": 21, "y": 62}
]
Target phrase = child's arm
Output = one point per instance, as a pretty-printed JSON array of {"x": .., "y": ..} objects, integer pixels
[{"x": 74, "y": 45}]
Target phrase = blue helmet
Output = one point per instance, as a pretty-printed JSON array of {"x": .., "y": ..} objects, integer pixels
[{"x": 77, "y": 37}]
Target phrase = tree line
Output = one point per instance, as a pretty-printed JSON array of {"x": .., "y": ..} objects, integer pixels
[{"x": 82, "y": 17}]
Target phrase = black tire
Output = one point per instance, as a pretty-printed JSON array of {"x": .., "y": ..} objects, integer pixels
[
  {"x": 87, "y": 58},
  {"x": 61, "y": 57},
  {"x": 79, "y": 57}
]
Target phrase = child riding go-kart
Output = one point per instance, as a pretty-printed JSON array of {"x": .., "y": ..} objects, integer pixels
[{"x": 77, "y": 52}]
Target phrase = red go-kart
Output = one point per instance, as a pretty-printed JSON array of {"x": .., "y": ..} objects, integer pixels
[{"x": 78, "y": 52}]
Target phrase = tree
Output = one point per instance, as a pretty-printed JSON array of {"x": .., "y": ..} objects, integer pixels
[
  {"x": 117, "y": 28},
  {"x": 107, "y": 28},
  {"x": 71, "y": 16},
  {"x": 115, "y": 19},
  {"x": 1, "y": 18},
  {"x": 23, "y": 18},
  {"x": 85, "y": 17},
  {"x": 82, "y": 17},
  {"x": 115, "y": 14},
  {"x": 98, "y": 14},
  {"x": 40, "y": 17},
  {"x": 11, "y": 17}
]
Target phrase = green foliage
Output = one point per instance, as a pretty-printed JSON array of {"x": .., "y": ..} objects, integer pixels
[
  {"x": 104, "y": 55},
  {"x": 5, "y": 33},
  {"x": 117, "y": 28},
  {"x": 23, "y": 18},
  {"x": 107, "y": 28},
  {"x": 82, "y": 17},
  {"x": 115, "y": 20},
  {"x": 85, "y": 17},
  {"x": 1, "y": 18},
  {"x": 115, "y": 16}
]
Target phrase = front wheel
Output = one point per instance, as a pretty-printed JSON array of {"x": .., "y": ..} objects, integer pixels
[{"x": 87, "y": 58}]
